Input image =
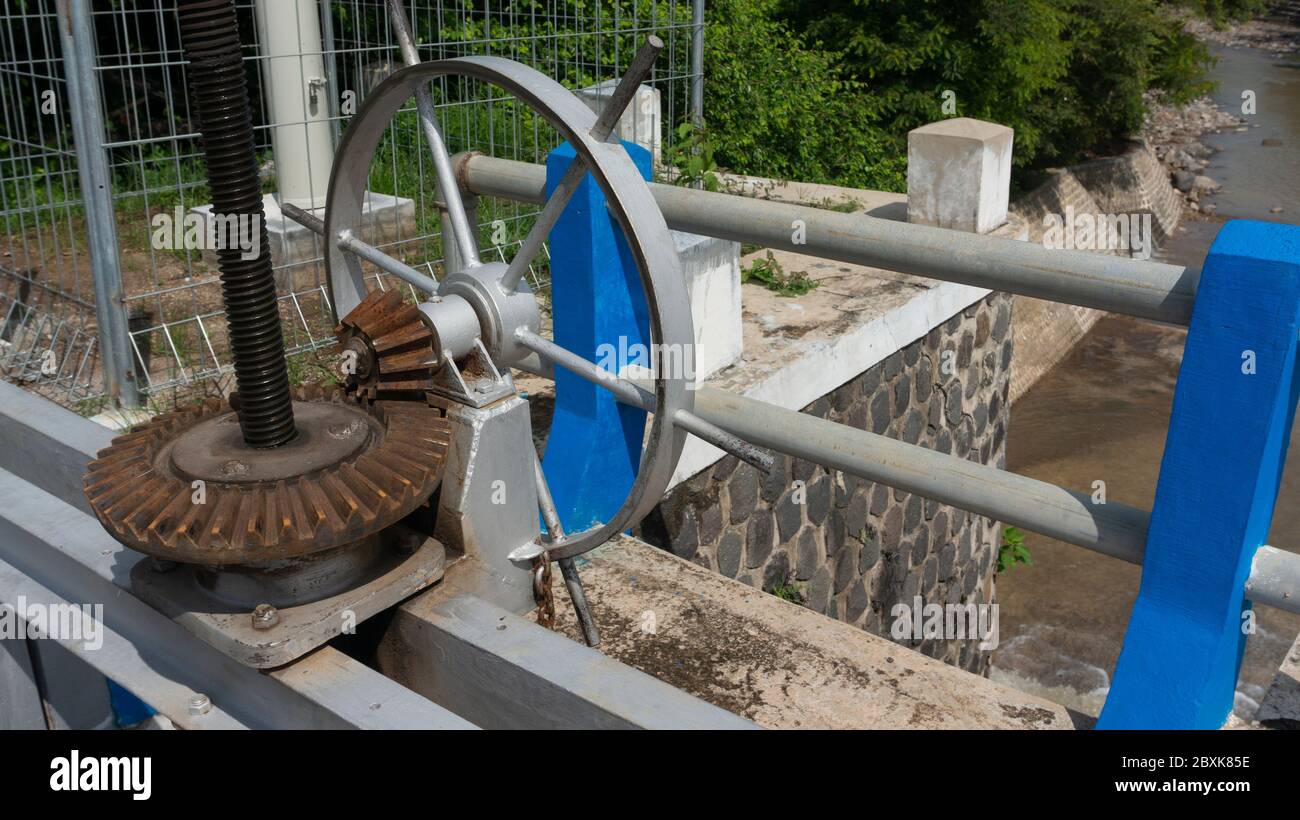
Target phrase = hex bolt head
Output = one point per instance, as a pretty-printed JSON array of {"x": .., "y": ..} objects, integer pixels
[
  {"x": 265, "y": 616},
  {"x": 200, "y": 705}
]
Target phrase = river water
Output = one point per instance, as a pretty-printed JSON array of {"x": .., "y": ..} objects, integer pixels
[{"x": 1102, "y": 414}]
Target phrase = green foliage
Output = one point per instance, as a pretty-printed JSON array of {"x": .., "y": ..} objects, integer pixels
[
  {"x": 788, "y": 592},
  {"x": 1221, "y": 12},
  {"x": 782, "y": 109},
  {"x": 691, "y": 155},
  {"x": 1013, "y": 550},
  {"x": 826, "y": 90},
  {"x": 769, "y": 273}
]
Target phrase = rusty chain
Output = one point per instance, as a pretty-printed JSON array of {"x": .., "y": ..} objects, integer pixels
[{"x": 544, "y": 590}]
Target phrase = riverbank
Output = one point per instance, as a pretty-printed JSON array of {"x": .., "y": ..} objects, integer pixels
[{"x": 1102, "y": 413}]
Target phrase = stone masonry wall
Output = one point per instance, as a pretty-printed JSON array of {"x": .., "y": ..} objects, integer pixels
[{"x": 852, "y": 548}]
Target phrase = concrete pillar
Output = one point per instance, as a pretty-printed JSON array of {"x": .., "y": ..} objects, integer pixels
[{"x": 959, "y": 174}]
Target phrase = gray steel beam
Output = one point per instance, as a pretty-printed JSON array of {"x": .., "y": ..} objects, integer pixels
[
  {"x": 47, "y": 445},
  {"x": 502, "y": 671},
  {"x": 20, "y": 696},
  {"x": 58, "y": 551},
  {"x": 1150, "y": 290}
]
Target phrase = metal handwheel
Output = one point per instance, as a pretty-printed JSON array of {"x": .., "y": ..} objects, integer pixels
[{"x": 487, "y": 305}]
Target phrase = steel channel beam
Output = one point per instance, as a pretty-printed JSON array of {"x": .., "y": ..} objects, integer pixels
[
  {"x": 1149, "y": 290},
  {"x": 60, "y": 554}
]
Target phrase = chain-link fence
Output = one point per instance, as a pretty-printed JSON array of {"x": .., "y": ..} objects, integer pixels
[{"x": 106, "y": 291}]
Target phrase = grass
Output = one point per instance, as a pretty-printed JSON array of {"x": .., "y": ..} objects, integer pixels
[
  {"x": 789, "y": 592},
  {"x": 769, "y": 273}
]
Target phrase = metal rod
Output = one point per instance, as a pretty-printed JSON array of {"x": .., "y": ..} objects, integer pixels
[
  {"x": 77, "y": 36},
  {"x": 697, "y": 63},
  {"x": 631, "y": 80},
  {"x": 446, "y": 186},
  {"x": 568, "y": 568},
  {"x": 366, "y": 251},
  {"x": 1149, "y": 290},
  {"x": 1112, "y": 529},
  {"x": 629, "y": 393},
  {"x": 577, "y": 170}
]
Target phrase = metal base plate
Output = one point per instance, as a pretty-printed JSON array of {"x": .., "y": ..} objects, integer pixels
[{"x": 177, "y": 594}]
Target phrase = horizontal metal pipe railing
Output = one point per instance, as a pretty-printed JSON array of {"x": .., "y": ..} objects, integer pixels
[
  {"x": 1150, "y": 290},
  {"x": 1112, "y": 529}
]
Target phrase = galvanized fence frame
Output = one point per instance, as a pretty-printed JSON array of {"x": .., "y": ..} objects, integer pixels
[{"x": 98, "y": 314}]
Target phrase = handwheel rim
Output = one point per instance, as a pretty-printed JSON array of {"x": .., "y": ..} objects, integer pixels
[{"x": 628, "y": 199}]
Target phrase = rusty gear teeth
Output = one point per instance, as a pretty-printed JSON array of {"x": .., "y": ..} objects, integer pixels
[
  {"x": 398, "y": 342},
  {"x": 144, "y": 504}
]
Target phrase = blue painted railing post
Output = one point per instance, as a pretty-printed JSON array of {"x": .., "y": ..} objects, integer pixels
[
  {"x": 1231, "y": 423},
  {"x": 594, "y": 447}
]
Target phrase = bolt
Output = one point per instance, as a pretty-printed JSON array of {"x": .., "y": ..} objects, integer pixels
[
  {"x": 265, "y": 616},
  {"x": 200, "y": 705}
]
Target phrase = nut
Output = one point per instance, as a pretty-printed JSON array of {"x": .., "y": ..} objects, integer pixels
[{"x": 265, "y": 616}]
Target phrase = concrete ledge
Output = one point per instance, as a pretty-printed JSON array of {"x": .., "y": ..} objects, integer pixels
[
  {"x": 776, "y": 663},
  {"x": 1280, "y": 708}
]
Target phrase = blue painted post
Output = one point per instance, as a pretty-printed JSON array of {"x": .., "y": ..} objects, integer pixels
[
  {"x": 594, "y": 448},
  {"x": 1228, "y": 435}
]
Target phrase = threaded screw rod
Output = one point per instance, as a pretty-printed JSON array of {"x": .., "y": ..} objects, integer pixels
[{"x": 210, "y": 38}]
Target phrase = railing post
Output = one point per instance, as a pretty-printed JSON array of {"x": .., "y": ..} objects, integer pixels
[
  {"x": 596, "y": 300},
  {"x": 1228, "y": 435},
  {"x": 77, "y": 34}
]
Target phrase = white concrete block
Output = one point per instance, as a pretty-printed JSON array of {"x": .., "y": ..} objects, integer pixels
[
  {"x": 641, "y": 121},
  {"x": 959, "y": 174},
  {"x": 385, "y": 219},
  {"x": 712, "y": 269}
]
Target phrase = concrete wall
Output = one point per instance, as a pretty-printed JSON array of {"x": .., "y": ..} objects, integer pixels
[
  {"x": 1134, "y": 182},
  {"x": 852, "y": 549}
]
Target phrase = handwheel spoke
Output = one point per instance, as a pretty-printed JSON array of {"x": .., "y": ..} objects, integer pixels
[
  {"x": 363, "y": 250},
  {"x": 636, "y": 396},
  {"x": 605, "y": 122},
  {"x": 447, "y": 187},
  {"x": 550, "y": 214}
]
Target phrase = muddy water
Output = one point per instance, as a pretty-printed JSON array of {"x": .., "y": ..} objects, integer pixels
[{"x": 1103, "y": 413}]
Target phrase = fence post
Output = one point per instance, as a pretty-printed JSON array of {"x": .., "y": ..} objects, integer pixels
[
  {"x": 1228, "y": 435},
  {"x": 77, "y": 35},
  {"x": 697, "y": 63}
]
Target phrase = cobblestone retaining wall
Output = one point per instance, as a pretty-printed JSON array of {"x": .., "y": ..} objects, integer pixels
[{"x": 849, "y": 548}]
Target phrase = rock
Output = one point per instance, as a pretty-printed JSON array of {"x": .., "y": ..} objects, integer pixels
[
  {"x": 1184, "y": 180},
  {"x": 1205, "y": 184},
  {"x": 1275, "y": 210},
  {"x": 1271, "y": 143}
]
